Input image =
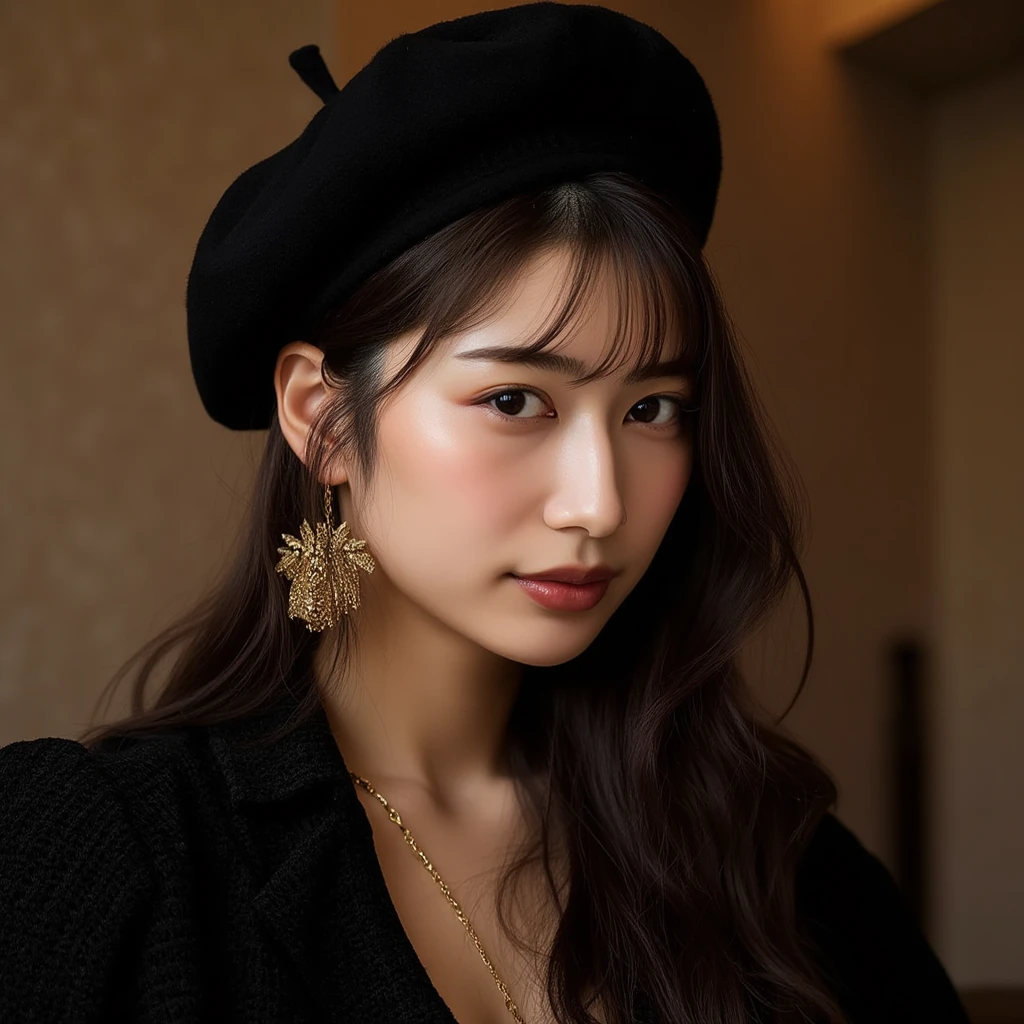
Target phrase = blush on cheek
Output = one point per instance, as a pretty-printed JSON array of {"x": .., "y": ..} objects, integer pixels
[
  {"x": 659, "y": 483},
  {"x": 675, "y": 487},
  {"x": 438, "y": 470},
  {"x": 488, "y": 495}
]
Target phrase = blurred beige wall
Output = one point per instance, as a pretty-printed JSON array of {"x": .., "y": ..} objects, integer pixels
[
  {"x": 978, "y": 409},
  {"x": 845, "y": 20},
  {"x": 125, "y": 124}
]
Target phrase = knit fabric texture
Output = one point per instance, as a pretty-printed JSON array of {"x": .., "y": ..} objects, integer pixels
[
  {"x": 184, "y": 879},
  {"x": 440, "y": 122}
]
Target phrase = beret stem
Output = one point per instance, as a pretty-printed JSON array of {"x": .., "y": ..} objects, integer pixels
[{"x": 308, "y": 63}]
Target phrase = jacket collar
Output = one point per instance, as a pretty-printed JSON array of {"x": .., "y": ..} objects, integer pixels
[
  {"x": 318, "y": 890},
  {"x": 307, "y": 757}
]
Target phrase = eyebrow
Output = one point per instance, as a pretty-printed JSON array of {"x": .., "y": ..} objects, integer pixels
[{"x": 570, "y": 366}]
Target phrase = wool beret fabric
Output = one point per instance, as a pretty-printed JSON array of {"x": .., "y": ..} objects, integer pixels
[{"x": 439, "y": 123}]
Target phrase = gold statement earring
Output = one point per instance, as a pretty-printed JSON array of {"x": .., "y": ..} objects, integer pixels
[{"x": 323, "y": 564}]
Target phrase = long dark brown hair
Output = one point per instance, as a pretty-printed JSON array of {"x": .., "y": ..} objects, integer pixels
[{"x": 683, "y": 811}]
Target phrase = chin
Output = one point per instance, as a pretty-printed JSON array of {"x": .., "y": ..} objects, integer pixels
[{"x": 548, "y": 651}]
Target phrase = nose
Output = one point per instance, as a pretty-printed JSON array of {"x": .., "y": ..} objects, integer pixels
[{"x": 586, "y": 491}]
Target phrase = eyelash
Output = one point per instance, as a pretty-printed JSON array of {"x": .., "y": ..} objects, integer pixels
[{"x": 682, "y": 409}]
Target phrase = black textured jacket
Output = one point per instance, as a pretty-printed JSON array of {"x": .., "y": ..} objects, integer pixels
[{"x": 181, "y": 879}]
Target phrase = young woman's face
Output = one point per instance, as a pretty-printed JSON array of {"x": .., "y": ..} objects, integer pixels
[{"x": 489, "y": 469}]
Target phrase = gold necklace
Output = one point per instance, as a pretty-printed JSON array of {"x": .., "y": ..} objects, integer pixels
[{"x": 396, "y": 818}]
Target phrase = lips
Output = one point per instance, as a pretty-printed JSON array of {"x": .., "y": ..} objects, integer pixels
[
  {"x": 570, "y": 574},
  {"x": 566, "y": 597}
]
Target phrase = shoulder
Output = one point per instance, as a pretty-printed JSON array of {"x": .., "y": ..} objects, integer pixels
[
  {"x": 75, "y": 880},
  {"x": 54, "y": 794},
  {"x": 58, "y": 785},
  {"x": 82, "y": 813},
  {"x": 871, "y": 946}
]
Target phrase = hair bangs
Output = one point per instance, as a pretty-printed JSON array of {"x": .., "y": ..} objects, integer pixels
[{"x": 654, "y": 322}]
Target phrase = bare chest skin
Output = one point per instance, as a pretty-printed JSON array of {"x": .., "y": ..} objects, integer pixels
[{"x": 469, "y": 856}]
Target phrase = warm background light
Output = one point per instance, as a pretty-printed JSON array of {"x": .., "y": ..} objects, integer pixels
[{"x": 868, "y": 242}]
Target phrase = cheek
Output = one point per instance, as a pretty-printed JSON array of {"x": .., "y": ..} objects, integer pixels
[
  {"x": 443, "y": 474},
  {"x": 656, "y": 486}
]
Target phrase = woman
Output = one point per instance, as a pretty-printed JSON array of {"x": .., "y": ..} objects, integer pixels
[{"x": 471, "y": 306}]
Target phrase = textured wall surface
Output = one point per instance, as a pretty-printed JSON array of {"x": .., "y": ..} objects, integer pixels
[
  {"x": 978, "y": 140},
  {"x": 123, "y": 124}
]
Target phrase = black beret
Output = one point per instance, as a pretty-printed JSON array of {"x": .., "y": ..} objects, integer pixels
[{"x": 439, "y": 123}]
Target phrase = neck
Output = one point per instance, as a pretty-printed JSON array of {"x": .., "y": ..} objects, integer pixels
[{"x": 420, "y": 708}]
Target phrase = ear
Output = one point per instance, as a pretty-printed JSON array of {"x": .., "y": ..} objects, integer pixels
[{"x": 300, "y": 389}]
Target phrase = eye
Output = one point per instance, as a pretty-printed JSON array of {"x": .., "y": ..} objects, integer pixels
[
  {"x": 508, "y": 403},
  {"x": 673, "y": 404}
]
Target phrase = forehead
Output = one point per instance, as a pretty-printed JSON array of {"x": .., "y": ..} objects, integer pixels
[
  {"x": 579, "y": 315},
  {"x": 582, "y": 318}
]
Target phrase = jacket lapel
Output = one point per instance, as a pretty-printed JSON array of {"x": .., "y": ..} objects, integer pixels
[{"x": 319, "y": 892}]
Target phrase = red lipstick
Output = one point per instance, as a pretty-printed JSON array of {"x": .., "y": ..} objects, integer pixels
[{"x": 566, "y": 587}]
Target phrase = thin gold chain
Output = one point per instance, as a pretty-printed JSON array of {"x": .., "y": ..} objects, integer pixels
[{"x": 396, "y": 818}]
